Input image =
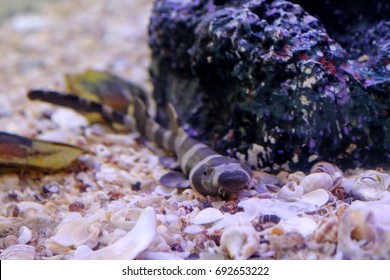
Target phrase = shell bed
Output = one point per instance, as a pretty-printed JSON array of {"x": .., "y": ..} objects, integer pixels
[{"x": 110, "y": 204}]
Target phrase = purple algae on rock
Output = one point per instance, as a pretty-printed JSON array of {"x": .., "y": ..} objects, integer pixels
[{"x": 265, "y": 81}]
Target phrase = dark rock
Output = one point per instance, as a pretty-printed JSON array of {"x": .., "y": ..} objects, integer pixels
[{"x": 268, "y": 73}]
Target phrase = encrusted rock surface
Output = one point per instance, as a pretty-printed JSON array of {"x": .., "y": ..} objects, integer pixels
[{"x": 269, "y": 73}]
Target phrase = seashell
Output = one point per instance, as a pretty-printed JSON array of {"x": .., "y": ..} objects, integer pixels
[
  {"x": 18, "y": 252},
  {"x": 302, "y": 225},
  {"x": 126, "y": 218},
  {"x": 364, "y": 231},
  {"x": 230, "y": 207},
  {"x": 290, "y": 192},
  {"x": 45, "y": 254},
  {"x": 291, "y": 241},
  {"x": 25, "y": 235},
  {"x": 133, "y": 243},
  {"x": 323, "y": 212},
  {"x": 61, "y": 117},
  {"x": 240, "y": 241},
  {"x": 317, "y": 181},
  {"x": 63, "y": 136},
  {"x": 76, "y": 206},
  {"x": 264, "y": 189},
  {"x": 194, "y": 229},
  {"x": 263, "y": 219},
  {"x": 328, "y": 168},
  {"x": 9, "y": 241},
  {"x": 370, "y": 184},
  {"x": 327, "y": 230},
  {"x": 33, "y": 207},
  {"x": 82, "y": 251},
  {"x": 164, "y": 191},
  {"x": 75, "y": 230},
  {"x": 92, "y": 243},
  {"x": 341, "y": 208},
  {"x": 229, "y": 219},
  {"x": 384, "y": 197},
  {"x": 317, "y": 197},
  {"x": 206, "y": 216},
  {"x": 266, "y": 221},
  {"x": 174, "y": 180},
  {"x": 347, "y": 184},
  {"x": 266, "y": 178},
  {"x": 296, "y": 176},
  {"x": 169, "y": 162},
  {"x": 50, "y": 188},
  {"x": 13, "y": 211}
]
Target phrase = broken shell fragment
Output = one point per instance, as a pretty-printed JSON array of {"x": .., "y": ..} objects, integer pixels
[
  {"x": 133, "y": 243},
  {"x": 370, "y": 185},
  {"x": 61, "y": 117},
  {"x": 174, "y": 180},
  {"x": 296, "y": 176},
  {"x": 194, "y": 229},
  {"x": 74, "y": 230},
  {"x": 327, "y": 230},
  {"x": 317, "y": 197},
  {"x": 290, "y": 192},
  {"x": 9, "y": 241},
  {"x": 364, "y": 231},
  {"x": 126, "y": 218},
  {"x": 240, "y": 241},
  {"x": 317, "y": 181},
  {"x": 18, "y": 252},
  {"x": 206, "y": 216},
  {"x": 169, "y": 162},
  {"x": 305, "y": 226},
  {"x": 25, "y": 235},
  {"x": 328, "y": 168}
]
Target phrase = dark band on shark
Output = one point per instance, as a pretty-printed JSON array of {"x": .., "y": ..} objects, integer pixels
[{"x": 208, "y": 171}]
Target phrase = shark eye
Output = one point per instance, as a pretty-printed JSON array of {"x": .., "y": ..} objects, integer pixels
[{"x": 208, "y": 171}]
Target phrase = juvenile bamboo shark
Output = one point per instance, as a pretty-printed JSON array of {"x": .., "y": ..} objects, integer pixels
[{"x": 208, "y": 172}]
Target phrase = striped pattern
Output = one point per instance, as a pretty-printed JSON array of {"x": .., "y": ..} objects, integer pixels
[{"x": 208, "y": 171}]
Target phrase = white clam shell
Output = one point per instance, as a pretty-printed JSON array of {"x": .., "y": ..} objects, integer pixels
[
  {"x": 37, "y": 207},
  {"x": 133, "y": 243},
  {"x": 164, "y": 191},
  {"x": 206, "y": 216},
  {"x": 75, "y": 230},
  {"x": 317, "y": 181},
  {"x": 290, "y": 192},
  {"x": 317, "y": 197},
  {"x": 18, "y": 252},
  {"x": 25, "y": 235},
  {"x": 193, "y": 229},
  {"x": 240, "y": 241},
  {"x": 305, "y": 226},
  {"x": 126, "y": 218},
  {"x": 61, "y": 117}
]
